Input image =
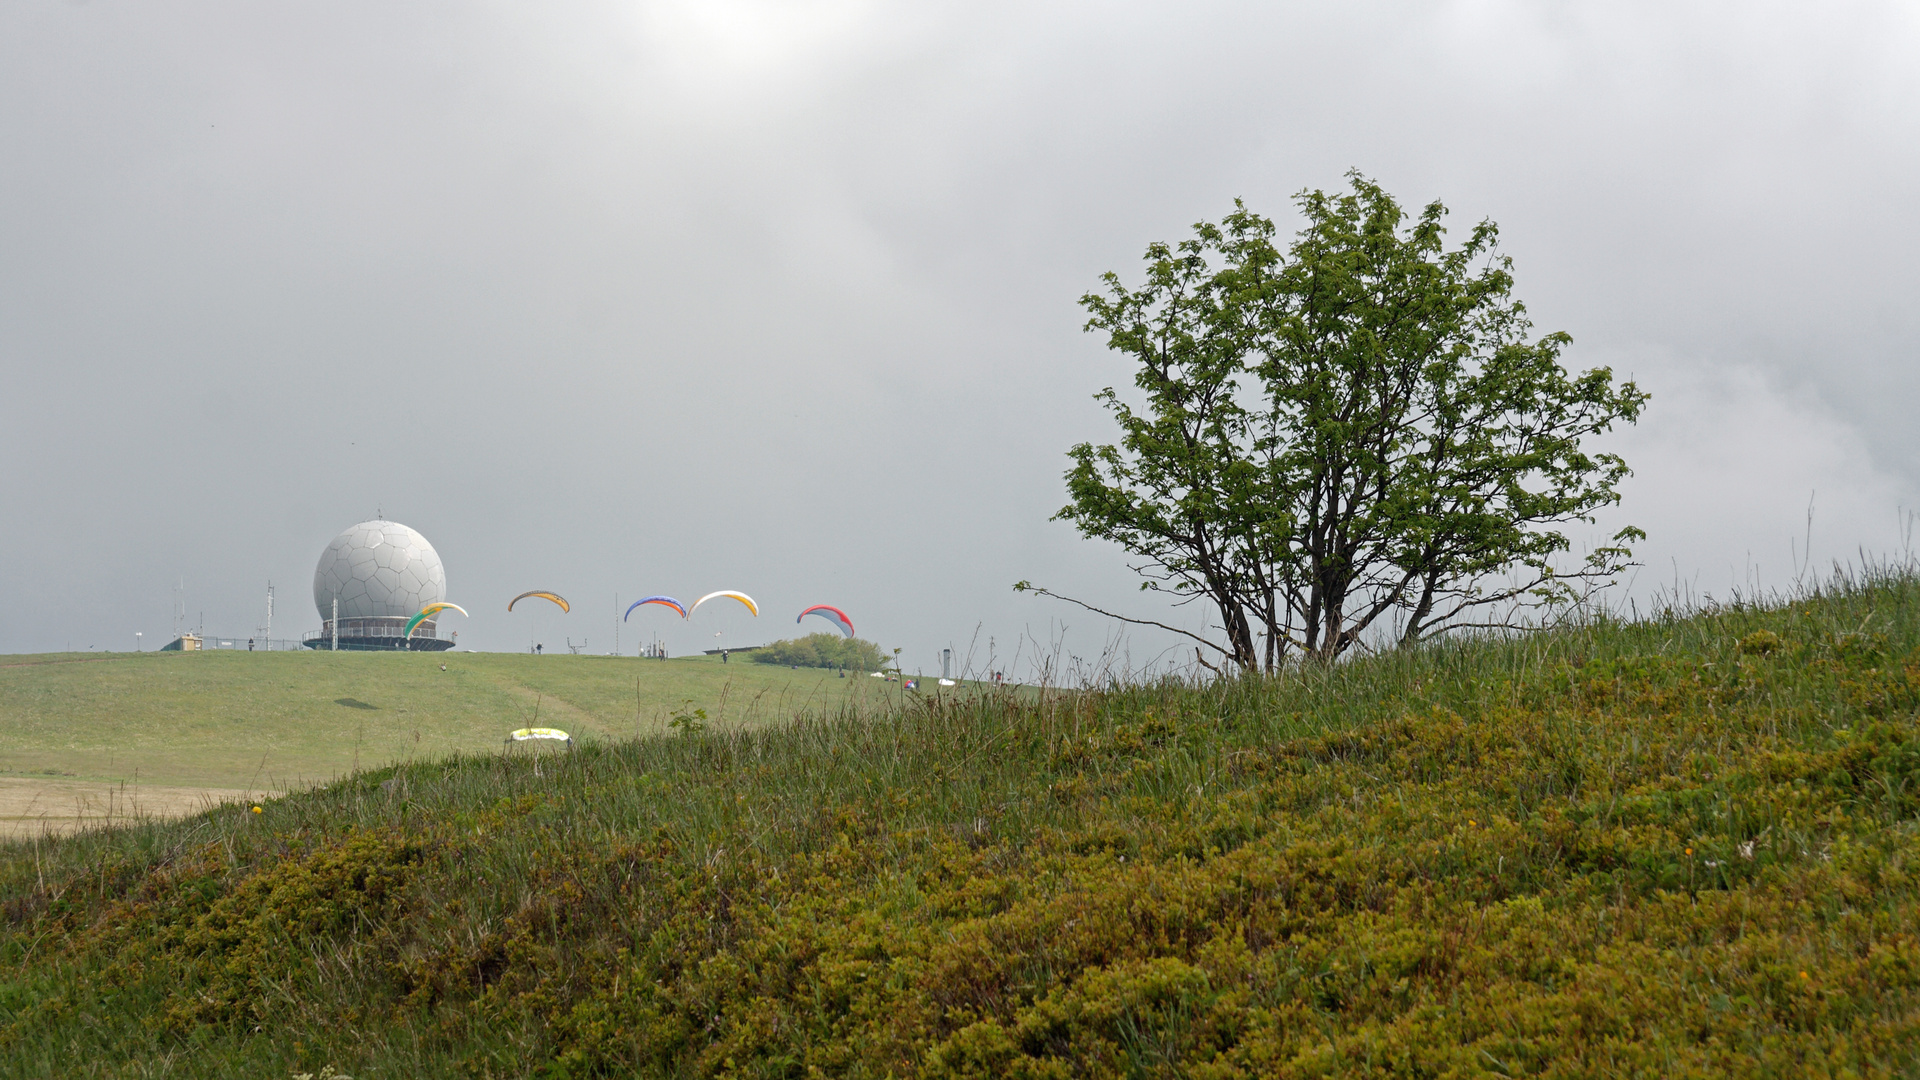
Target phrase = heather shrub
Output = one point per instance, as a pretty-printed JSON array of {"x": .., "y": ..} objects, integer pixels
[{"x": 1622, "y": 849}]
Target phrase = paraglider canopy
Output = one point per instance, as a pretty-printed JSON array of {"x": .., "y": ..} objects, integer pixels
[
  {"x": 832, "y": 614},
  {"x": 526, "y": 733},
  {"x": 740, "y": 596},
  {"x": 555, "y": 597},
  {"x": 429, "y": 612},
  {"x": 663, "y": 601}
]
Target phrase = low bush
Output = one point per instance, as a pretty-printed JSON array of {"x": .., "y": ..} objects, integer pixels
[{"x": 823, "y": 651}]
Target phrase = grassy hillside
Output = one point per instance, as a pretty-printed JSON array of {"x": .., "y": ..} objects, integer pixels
[
  {"x": 280, "y": 720},
  {"x": 1685, "y": 847}
]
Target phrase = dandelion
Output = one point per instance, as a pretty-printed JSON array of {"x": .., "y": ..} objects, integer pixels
[
  {"x": 1689, "y": 851},
  {"x": 256, "y": 809},
  {"x": 1471, "y": 823},
  {"x": 1804, "y": 975}
]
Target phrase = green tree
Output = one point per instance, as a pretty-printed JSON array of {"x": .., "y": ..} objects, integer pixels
[
  {"x": 825, "y": 650},
  {"x": 1354, "y": 437}
]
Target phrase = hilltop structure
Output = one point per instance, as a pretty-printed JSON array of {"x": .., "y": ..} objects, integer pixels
[{"x": 371, "y": 580}]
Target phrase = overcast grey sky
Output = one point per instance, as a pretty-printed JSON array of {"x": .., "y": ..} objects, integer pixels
[{"x": 676, "y": 297}]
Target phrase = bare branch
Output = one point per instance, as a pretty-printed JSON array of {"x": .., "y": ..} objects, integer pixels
[{"x": 1026, "y": 586}]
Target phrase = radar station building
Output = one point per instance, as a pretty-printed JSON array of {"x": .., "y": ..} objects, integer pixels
[{"x": 371, "y": 581}]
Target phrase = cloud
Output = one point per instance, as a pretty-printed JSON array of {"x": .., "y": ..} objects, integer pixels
[
  {"x": 1744, "y": 484},
  {"x": 632, "y": 297}
]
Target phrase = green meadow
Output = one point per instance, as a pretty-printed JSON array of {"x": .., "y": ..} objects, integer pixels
[
  {"x": 1682, "y": 846},
  {"x": 280, "y": 721}
]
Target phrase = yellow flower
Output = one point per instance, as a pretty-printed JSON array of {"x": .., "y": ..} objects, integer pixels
[
  {"x": 256, "y": 809},
  {"x": 1804, "y": 975},
  {"x": 1471, "y": 823},
  {"x": 1689, "y": 851}
]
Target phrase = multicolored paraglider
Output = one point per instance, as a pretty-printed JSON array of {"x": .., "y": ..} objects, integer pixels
[
  {"x": 832, "y": 614},
  {"x": 555, "y": 597},
  {"x": 663, "y": 601},
  {"x": 740, "y": 596},
  {"x": 429, "y": 612}
]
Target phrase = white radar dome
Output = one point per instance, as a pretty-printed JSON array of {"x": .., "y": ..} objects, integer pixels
[{"x": 378, "y": 568}]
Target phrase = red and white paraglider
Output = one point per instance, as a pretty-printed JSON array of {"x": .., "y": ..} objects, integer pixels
[{"x": 832, "y": 614}]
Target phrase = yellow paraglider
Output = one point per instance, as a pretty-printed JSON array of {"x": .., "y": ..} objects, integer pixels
[
  {"x": 555, "y": 597},
  {"x": 429, "y": 612},
  {"x": 740, "y": 596},
  {"x": 533, "y": 737},
  {"x": 528, "y": 733}
]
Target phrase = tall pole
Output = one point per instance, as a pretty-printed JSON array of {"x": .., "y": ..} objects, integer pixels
[
  {"x": 616, "y": 624},
  {"x": 269, "y": 616},
  {"x": 335, "y": 624}
]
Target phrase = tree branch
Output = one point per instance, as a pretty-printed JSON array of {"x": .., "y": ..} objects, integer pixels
[{"x": 1028, "y": 586}]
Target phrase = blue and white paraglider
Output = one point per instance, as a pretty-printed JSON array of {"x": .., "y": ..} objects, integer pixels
[{"x": 663, "y": 601}]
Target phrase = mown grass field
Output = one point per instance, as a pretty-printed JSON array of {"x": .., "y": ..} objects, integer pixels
[
  {"x": 280, "y": 721},
  {"x": 1685, "y": 847}
]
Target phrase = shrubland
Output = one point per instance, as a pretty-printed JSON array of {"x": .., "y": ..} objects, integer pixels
[{"x": 1682, "y": 845}]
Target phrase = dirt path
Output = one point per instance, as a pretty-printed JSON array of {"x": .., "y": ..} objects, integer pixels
[
  {"x": 29, "y": 806},
  {"x": 545, "y": 710}
]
